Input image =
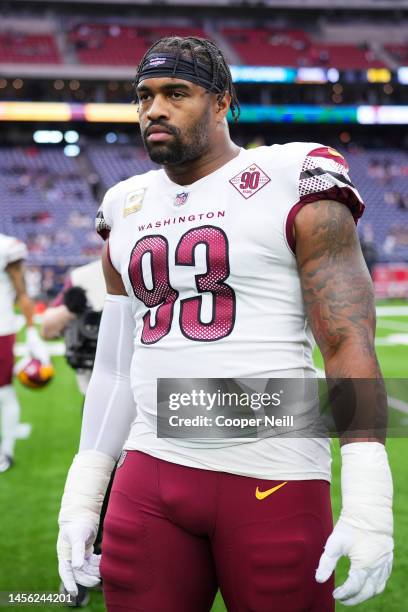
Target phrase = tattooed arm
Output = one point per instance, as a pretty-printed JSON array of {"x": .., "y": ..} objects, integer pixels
[{"x": 339, "y": 302}]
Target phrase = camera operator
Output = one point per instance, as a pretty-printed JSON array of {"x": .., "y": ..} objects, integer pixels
[
  {"x": 82, "y": 294},
  {"x": 75, "y": 313}
]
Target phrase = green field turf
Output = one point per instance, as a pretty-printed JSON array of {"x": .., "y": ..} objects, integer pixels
[{"x": 30, "y": 493}]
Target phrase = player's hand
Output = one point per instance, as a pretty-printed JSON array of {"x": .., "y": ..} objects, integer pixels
[
  {"x": 36, "y": 346},
  {"x": 371, "y": 558},
  {"x": 364, "y": 530},
  {"x": 76, "y": 561},
  {"x": 85, "y": 488}
]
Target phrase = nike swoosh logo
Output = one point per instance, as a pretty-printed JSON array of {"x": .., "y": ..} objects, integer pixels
[{"x": 262, "y": 494}]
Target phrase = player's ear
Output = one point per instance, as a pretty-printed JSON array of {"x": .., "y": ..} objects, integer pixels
[{"x": 223, "y": 104}]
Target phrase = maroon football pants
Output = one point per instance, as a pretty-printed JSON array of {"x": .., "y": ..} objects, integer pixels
[
  {"x": 173, "y": 535},
  {"x": 6, "y": 359}
]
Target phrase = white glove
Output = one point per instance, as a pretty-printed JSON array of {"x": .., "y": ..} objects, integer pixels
[
  {"x": 85, "y": 488},
  {"x": 76, "y": 561},
  {"x": 365, "y": 526},
  {"x": 36, "y": 346}
]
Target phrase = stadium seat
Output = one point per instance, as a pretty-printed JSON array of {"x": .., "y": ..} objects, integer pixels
[
  {"x": 28, "y": 49},
  {"x": 47, "y": 202}
]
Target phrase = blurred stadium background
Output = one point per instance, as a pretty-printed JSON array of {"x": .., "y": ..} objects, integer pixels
[{"x": 333, "y": 71}]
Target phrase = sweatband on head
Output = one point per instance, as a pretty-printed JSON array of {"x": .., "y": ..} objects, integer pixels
[{"x": 158, "y": 65}]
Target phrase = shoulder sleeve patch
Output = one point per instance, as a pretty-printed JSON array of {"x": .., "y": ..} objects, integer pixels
[
  {"x": 324, "y": 176},
  {"x": 329, "y": 153}
]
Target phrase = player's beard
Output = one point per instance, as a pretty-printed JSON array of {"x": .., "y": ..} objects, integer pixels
[{"x": 184, "y": 146}]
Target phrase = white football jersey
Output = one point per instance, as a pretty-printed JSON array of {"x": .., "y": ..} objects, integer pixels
[
  {"x": 211, "y": 270},
  {"x": 11, "y": 250}
]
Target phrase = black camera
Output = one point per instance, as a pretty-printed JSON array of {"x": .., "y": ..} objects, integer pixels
[{"x": 81, "y": 336}]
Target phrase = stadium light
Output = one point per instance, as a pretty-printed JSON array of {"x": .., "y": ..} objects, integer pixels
[
  {"x": 333, "y": 75},
  {"x": 111, "y": 137},
  {"x": 71, "y": 136},
  {"x": 72, "y": 150},
  {"x": 47, "y": 136},
  {"x": 311, "y": 75},
  {"x": 250, "y": 113},
  {"x": 36, "y": 111},
  {"x": 403, "y": 75},
  {"x": 382, "y": 115},
  {"x": 262, "y": 74},
  {"x": 378, "y": 75}
]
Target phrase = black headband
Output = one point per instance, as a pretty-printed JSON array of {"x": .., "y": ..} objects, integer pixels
[{"x": 170, "y": 65}]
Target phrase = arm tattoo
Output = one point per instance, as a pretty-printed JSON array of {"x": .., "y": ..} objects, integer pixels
[
  {"x": 339, "y": 303},
  {"x": 337, "y": 289}
]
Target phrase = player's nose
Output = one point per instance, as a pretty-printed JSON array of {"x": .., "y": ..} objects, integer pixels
[{"x": 158, "y": 109}]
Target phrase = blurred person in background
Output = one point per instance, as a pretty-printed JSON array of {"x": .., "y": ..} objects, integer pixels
[
  {"x": 75, "y": 313},
  {"x": 13, "y": 290},
  {"x": 83, "y": 291},
  {"x": 368, "y": 247},
  {"x": 33, "y": 282}
]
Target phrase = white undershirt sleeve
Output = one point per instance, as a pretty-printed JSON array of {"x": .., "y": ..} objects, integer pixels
[{"x": 109, "y": 405}]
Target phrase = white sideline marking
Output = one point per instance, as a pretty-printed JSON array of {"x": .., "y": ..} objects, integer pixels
[
  {"x": 23, "y": 431},
  {"x": 398, "y": 404},
  {"x": 396, "y": 325},
  {"x": 393, "y": 402},
  {"x": 55, "y": 349},
  {"x": 392, "y": 340},
  {"x": 392, "y": 311}
]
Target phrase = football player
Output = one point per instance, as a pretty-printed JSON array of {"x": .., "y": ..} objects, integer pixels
[
  {"x": 223, "y": 264},
  {"x": 13, "y": 252}
]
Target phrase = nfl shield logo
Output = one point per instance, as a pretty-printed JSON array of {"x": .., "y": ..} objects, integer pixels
[{"x": 181, "y": 199}]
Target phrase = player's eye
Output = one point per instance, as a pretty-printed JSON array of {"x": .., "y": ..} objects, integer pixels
[
  {"x": 176, "y": 95},
  {"x": 142, "y": 97}
]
